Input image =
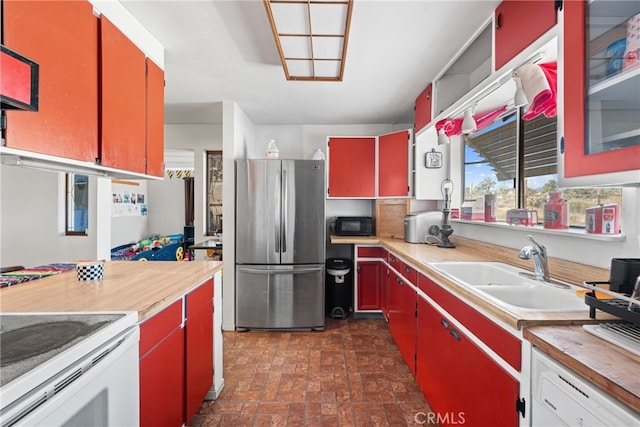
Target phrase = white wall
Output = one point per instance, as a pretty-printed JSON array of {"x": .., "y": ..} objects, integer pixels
[
  {"x": 129, "y": 229},
  {"x": 32, "y": 219},
  {"x": 166, "y": 205},
  {"x": 166, "y": 197},
  {"x": 238, "y": 135}
]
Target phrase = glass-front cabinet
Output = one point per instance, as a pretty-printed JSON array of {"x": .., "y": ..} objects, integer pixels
[{"x": 601, "y": 82}]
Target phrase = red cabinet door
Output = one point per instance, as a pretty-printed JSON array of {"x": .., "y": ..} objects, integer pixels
[
  {"x": 62, "y": 37},
  {"x": 402, "y": 320},
  {"x": 162, "y": 368},
  {"x": 519, "y": 23},
  {"x": 384, "y": 291},
  {"x": 123, "y": 109},
  {"x": 423, "y": 108},
  {"x": 506, "y": 345},
  {"x": 393, "y": 164},
  {"x": 458, "y": 378},
  {"x": 198, "y": 347},
  {"x": 155, "y": 119},
  {"x": 352, "y": 167},
  {"x": 368, "y": 285},
  {"x": 577, "y": 160}
]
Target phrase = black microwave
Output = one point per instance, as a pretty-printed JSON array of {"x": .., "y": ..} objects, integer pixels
[{"x": 354, "y": 226}]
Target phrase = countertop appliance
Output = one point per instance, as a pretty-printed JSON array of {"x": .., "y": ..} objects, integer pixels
[
  {"x": 280, "y": 244},
  {"x": 353, "y": 226},
  {"x": 563, "y": 398},
  {"x": 69, "y": 369},
  {"x": 419, "y": 225}
]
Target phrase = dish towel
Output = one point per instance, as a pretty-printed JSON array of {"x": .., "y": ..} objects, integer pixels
[
  {"x": 453, "y": 127},
  {"x": 539, "y": 83}
]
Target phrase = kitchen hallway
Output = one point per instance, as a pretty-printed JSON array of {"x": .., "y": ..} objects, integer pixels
[{"x": 350, "y": 374}]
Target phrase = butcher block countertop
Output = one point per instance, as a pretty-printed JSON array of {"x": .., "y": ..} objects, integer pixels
[
  {"x": 145, "y": 287},
  {"x": 610, "y": 367},
  {"x": 473, "y": 250}
]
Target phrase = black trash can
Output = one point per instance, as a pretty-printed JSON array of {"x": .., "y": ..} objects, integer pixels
[{"x": 338, "y": 287}]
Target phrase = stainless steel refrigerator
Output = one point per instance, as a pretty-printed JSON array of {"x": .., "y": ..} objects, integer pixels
[{"x": 280, "y": 244}]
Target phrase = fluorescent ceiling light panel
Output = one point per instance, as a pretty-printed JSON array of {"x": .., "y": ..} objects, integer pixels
[
  {"x": 296, "y": 47},
  {"x": 311, "y": 36},
  {"x": 327, "y": 68},
  {"x": 327, "y": 48},
  {"x": 300, "y": 67}
]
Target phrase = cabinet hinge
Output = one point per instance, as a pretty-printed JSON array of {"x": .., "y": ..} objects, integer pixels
[
  {"x": 521, "y": 406},
  {"x": 558, "y": 5},
  {"x": 416, "y": 315}
]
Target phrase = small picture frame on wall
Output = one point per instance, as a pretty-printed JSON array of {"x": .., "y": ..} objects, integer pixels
[{"x": 433, "y": 159}]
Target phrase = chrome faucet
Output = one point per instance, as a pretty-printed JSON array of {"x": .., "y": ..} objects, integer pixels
[{"x": 539, "y": 255}]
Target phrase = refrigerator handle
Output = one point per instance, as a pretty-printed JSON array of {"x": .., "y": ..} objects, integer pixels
[
  {"x": 278, "y": 208},
  {"x": 270, "y": 272},
  {"x": 285, "y": 210}
]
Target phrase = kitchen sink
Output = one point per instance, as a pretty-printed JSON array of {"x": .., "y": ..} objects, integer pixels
[{"x": 512, "y": 287}]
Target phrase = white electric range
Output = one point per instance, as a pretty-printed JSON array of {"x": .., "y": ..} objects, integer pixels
[{"x": 69, "y": 369}]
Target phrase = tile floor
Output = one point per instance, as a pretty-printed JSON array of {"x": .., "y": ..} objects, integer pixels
[{"x": 350, "y": 374}]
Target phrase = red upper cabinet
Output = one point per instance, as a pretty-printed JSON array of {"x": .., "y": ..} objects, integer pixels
[
  {"x": 601, "y": 101},
  {"x": 423, "y": 108},
  {"x": 62, "y": 37},
  {"x": 352, "y": 167},
  {"x": 123, "y": 114},
  {"x": 519, "y": 23},
  {"x": 155, "y": 119},
  {"x": 393, "y": 164}
]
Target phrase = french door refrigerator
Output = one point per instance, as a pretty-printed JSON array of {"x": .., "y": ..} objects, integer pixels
[{"x": 280, "y": 244}]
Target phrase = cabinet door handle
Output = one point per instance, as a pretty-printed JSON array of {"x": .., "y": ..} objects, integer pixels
[
  {"x": 444, "y": 323},
  {"x": 455, "y": 334},
  {"x": 407, "y": 270},
  {"x": 393, "y": 259},
  {"x": 498, "y": 21},
  {"x": 358, "y": 269}
]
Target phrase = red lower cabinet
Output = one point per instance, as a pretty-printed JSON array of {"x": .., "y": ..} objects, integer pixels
[
  {"x": 369, "y": 285},
  {"x": 176, "y": 359},
  {"x": 198, "y": 348},
  {"x": 462, "y": 384},
  {"x": 402, "y": 318},
  {"x": 162, "y": 368}
]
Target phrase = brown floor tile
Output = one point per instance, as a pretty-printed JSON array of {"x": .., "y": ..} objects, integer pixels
[{"x": 350, "y": 374}]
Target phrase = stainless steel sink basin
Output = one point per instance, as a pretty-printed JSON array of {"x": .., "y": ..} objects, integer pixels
[{"x": 509, "y": 286}]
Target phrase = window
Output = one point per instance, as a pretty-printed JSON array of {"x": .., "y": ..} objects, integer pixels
[
  {"x": 214, "y": 192},
  {"x": 77, "y": 204},
  {"x": 516, "y": 161}
]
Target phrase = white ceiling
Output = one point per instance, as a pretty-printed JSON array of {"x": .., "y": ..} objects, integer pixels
[{"x": 219, "y": 50}]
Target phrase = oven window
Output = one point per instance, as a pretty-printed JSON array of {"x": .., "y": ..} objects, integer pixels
[{"x": 94, "y": 413}]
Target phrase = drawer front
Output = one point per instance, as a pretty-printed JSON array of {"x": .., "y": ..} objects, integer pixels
[
  {"x": 502, "y": 342},
  {"x": 371, "y": 252},
  {"x": 200, "y": 297},
  {"x": 395, "y": 262},
  {"x": 156, "y": 328},
  {"x": 409, "y": 273}
]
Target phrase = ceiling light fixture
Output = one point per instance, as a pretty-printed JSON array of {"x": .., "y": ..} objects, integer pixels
[
  {"x": 469, "y": 123},
  {"x": 442, "y": 137},
  {"x": 311, "y": 36}
]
